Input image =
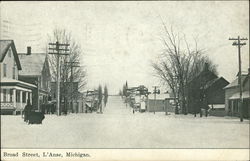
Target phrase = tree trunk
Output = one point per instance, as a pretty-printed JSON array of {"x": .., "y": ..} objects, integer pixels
[
  {"x": 176, "y": 105},
  {"x": 184, "y": 110}
]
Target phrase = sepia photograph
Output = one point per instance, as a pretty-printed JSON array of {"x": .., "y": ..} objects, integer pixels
[{"x": 124, "y": 80}]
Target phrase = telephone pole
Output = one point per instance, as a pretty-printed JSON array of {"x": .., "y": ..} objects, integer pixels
[
  {"x": 58, "y": 51},
  {"x": 237, "y": 42},
  {"x": 72, "y": 65},
  {"x": 155, "y": 92}
]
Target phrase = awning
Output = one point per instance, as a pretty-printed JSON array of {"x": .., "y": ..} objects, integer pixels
[{"x": 245, "y": 95}]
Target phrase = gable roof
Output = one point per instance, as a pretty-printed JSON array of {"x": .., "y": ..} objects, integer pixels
[
  {"x": 32, "y": 64},
  {"x": 204, "y": 72},
  {"x": 246, "y": 80},
  {"x": 4, "y": 47},
  {"x": 234, "y": 83},
  {"x": 242, "y": 73},
  {"x": 214, "y": 81}
]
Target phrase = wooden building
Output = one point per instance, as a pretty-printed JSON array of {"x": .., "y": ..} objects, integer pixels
[
  {"x": 162, "y": 103},
  {"x": 35, "y": 70},
  {"x": 204, "y": 90},
  {"x": 14, "y": 93},
  {"x": 232, "y": 96},
  {"x": 70, "y": 101}
]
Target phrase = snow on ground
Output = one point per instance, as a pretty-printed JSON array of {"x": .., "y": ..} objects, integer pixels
[{"x": 118, "y": 127}]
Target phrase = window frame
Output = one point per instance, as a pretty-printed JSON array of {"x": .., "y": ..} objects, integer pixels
[
  {"x": 4, "y": 95},
  {"x": 14, "y": 72},
  {"x": 9, "y": 53},
  {"x": 4, "y": 70}
]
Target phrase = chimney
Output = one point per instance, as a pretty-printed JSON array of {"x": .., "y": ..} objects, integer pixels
[{"x": 28, "y": 50}]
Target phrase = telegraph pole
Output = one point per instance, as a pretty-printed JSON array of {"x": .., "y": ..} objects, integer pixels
[
  {"x": 237, "y": 42},
  {"x": 72, "y": 65},
  {"x": 155, "y": 91},
  {"x": 57, "y": 48},
  {"x": 126, "y": 94}
]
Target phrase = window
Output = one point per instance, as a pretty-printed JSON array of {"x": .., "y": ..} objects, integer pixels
[
  {"x": 9, "y": 52},
  {"x": 11, "y": 95},
  {"x": 24, "y": 97},
  {"x": 17, "y": 96},
  {"x": 4, "y": 70},
  {"x": 4, "y": 95},
  {"x": 14, "y": 74}
]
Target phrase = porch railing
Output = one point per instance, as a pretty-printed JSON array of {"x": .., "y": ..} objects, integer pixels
[{"x": 7, "y": 105}]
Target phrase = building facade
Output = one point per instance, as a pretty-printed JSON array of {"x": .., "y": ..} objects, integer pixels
[
  {"x": 14, "y": 93},
  {"x": 204, "y": 90},
  {"x": 161, "y": 103},
  {"x": 35, "y": 70},
  {"x": 70, "y": 101},
  {"x": 232, "y": 96}
]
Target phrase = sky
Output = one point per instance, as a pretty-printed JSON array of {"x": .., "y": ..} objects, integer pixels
[{"x": 120, "y": 40}]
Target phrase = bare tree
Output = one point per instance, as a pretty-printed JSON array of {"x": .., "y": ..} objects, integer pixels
[
  {"x": 105, "y": 95},
  {"x": 178, "y": 65},
  {"x": 78, "y": 75},
  {"x": 120, "y": 92},
  {"x": 100, "y": 98}
]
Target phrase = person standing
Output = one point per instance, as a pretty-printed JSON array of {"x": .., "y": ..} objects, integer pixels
[{"x": 27, "y": 111}]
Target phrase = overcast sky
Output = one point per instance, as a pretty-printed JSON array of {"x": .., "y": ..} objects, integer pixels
[{"x": 120, "y": 39}]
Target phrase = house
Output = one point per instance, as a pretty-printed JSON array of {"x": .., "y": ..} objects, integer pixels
[
  {"x": 35, "y": 70},
  {"x": 81, "y": 101},
  {"x": 70, "y": 101},
  {"x": 159, "y": 103},
  {"x": 232, "y": 96},
  {"x": 91, "y": 100},
  {"x": 14, "y": 93},
  {"x": 204, "y": 90}
]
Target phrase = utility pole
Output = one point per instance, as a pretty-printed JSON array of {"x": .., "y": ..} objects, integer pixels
[
  {"x": 64, "y": 50},
  {"x": 237, "y": 42},
  {"x": 155, "y": 92},
  {"x": 72, "y": 65},
  {"x": 126, "y": 85}
]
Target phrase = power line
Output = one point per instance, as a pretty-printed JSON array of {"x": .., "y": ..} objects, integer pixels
[
  {"x": 56, "y": 47},
  {"x": 237, "y": 42}
]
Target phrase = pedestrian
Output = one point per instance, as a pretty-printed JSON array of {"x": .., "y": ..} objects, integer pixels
[
  {"x": 53, "y": 108},
  {"x": 43, "y": 108},
  {"x": 27, "y": 111}
]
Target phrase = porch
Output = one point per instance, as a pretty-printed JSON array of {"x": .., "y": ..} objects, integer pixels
[
  {"x": 233, "y": 103},
  {"x": 14, "y": 96}
]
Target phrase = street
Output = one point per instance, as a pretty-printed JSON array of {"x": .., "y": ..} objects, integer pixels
[{"x": 118, "y": 127}]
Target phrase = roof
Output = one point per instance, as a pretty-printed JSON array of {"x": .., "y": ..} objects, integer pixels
[
  {"x": 4, "y": 47},
  {"x": 8, "y": 81},
  {"x": 205, "y": 71},
  {"x": 217, "y": 106},
  {"x": 234, "y": 83},
  {"x": 242, "y": 73},
  {"x": 32, "y": 65},
  {"x": 161, "y": 96},
  {"x": 213, "y": 81},
  {"x": 245, "y": 95}
]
